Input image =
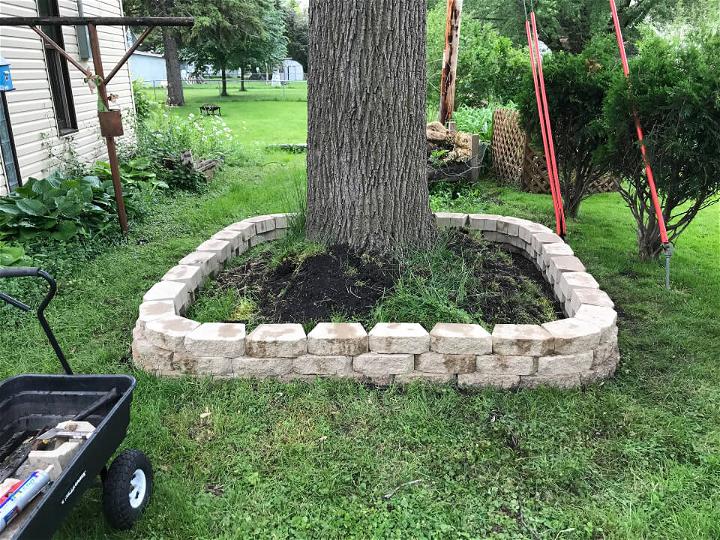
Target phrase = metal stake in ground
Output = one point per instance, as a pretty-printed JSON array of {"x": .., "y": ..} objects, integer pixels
[{"x": 109, "y": 141}]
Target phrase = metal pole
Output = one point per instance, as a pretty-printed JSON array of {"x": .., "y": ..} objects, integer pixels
[{"x": 110, "y": 141}]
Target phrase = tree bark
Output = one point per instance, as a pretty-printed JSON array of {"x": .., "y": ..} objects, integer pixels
[
  {"x": 175, "y": 94},
  {"x": 224, "y": 92},
  {"x": 242, "y": 79},
  {"x": 367, "y": 184},
  {"x": 450, "y": 60}
]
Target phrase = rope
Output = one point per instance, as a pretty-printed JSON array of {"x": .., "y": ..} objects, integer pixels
[{"x": 544, "y": 116}]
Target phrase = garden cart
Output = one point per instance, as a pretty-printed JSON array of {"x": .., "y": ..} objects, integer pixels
[{"x": 31, "y": 409}]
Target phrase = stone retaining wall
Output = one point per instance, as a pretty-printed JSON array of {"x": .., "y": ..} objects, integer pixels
[{"x": 564, "y": 353}]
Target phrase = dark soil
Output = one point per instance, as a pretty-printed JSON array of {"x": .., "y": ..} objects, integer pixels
[
  {"x": 341, "y": 283},
  {"x": 502, "y": 278},
  {"x": 338, "y": 282}
]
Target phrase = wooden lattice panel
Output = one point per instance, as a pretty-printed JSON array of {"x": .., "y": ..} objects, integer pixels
[{"x": 508, "y": 145}]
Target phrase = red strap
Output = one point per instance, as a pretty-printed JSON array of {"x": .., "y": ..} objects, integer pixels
[
  {"x": 533, "y": 64},
  {"x": 639, "y": 131}
]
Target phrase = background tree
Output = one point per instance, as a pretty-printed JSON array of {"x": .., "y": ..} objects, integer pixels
[
  {"x": 221, "y": 26},
  {"x": 265, "y": 48},
  {"x": 296, "y": 32},
  {"x": 675, "y": 88},
  {"x": 367, "y": 184},
  {"x": 576, "y": 87}
]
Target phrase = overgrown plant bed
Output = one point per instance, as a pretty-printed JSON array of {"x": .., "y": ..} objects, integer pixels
[
  {"x": 465, "y": 279},
  {"x": 566, "y": 352}
]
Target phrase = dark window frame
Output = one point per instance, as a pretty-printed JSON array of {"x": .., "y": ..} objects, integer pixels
[
  {"x": 58, "y": 72},
  {"x": 12, "y": 175}
]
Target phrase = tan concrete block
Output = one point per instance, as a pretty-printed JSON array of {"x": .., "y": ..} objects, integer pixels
[
  {"x": 432, "y": 362},
  {"x": 247, "y": 228},
  {"x": 400, "y": 338},
  {"x": 223, "y": 249},
  {"x": 483, "y": 222},
  {"x": 344, "y": 339},
  {"x": 379, "y": 365},
  {"x": 338, "y": 366},
  {"x": 576, "y": 280},
  {"x": 191, "y": 275},
  {"x": 247, "y": 367},
  {"x": 170, "y": 332},
  {"x": 483, "y": 380},
  {"x": 603, "y": 317},
  {"x": 606, "y": 354},
  {"x": 217, "y": 340},
  {"x": 208, "y": 260},
  {"x": 573, "y": 335},
  {"x": 451, "y": 338},
  {"x": 149, "y": 311},
  {"x": 498, "y": 364},
  {"x": 150, "y": 358},
  {"x": 564, "y": 263},
  {"x": 235, "y": 237},
  {"x": 263, "y": 224},
  {"x": 562, "y": 364},
  {"x": 447, "y": 220},
  {"x": 541, "y": 238},
  {"x": 593, "y": 297},
  {"x": 527, "y": 230},
  {"x": 276, "y": 340},
  {"x": 178, "y": 293},
  {"x": 521, "y": 340}
]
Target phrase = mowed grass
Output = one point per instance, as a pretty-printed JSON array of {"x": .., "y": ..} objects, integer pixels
[
  {"x": 259, "y": 116},
  {"x": 636, "y": 457}
]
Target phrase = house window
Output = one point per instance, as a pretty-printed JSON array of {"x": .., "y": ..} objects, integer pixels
[
  {"x": 7, "y": 146},
  {"x": 60, "y": 84}
]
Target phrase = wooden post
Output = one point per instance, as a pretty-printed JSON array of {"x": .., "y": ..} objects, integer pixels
[
  {"x": 450, "y": 57},
  {"x": 110, "y": 141}
]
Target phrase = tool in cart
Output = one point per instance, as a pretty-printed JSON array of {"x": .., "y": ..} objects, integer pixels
[{"x": 23, "y": 496}]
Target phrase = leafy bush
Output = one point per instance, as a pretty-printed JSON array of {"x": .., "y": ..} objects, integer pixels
[
  {"x": 57, "y": 207},
  {"x": 576, "y": 86},
  {"x": 163, "y": 138},
  {"x": 478, "y": 120},
  {"x": 675, "y": 90},
  {"x": 144, "y": 106},
  {"x": 12, "y": 255}
]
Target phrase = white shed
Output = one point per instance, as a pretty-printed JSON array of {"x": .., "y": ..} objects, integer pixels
[{"x": 52, "y": 113}]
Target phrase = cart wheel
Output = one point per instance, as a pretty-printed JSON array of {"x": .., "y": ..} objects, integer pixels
[{"x": 127, "y": 489}]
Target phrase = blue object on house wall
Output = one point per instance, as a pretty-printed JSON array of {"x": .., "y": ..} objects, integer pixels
[{"x": 6, "y": 83}]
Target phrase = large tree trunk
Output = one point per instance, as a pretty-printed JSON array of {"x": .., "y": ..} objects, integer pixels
[
  {"x": 223, "y": 92},
  {"x": 367, "y": 183},
  {"x": 175, "y": 94},
  {"x": 242, "y": 79}
]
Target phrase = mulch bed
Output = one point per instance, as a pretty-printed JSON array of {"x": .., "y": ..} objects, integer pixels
[
  {"x": 314, "y": 289},
  {"x": 340, "y": 282}
]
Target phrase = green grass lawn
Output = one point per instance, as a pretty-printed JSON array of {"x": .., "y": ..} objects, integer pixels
[
  {"x": 636, "y": 457},
  {"x": 259, "y": 116}
]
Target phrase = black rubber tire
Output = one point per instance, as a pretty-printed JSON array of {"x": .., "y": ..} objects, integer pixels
[{"x": 116, "y": 503}]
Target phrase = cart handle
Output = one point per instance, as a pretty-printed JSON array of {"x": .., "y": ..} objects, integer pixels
[{"x": 37, "y": 272}]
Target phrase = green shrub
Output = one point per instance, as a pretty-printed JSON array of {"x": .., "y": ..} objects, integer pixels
[
  {"x": 57, "y": 207},
  {"x": 144, "y": 106},
  {"x": 12, "y": 255},
  {"x": 490, "y": 67},
  {"x": 576, "y": 86},
  {"x": 675, "y": 90}
]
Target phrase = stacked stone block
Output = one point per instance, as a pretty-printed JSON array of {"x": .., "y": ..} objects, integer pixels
[{"x": 567, "y": 353}]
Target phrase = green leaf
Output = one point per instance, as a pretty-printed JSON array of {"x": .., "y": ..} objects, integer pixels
[
  {"x": 65, "y": 231},
  {"x": 32, "y": 207}
]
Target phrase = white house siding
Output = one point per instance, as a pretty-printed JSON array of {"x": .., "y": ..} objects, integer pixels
[{"x": 39, "y": 146}]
